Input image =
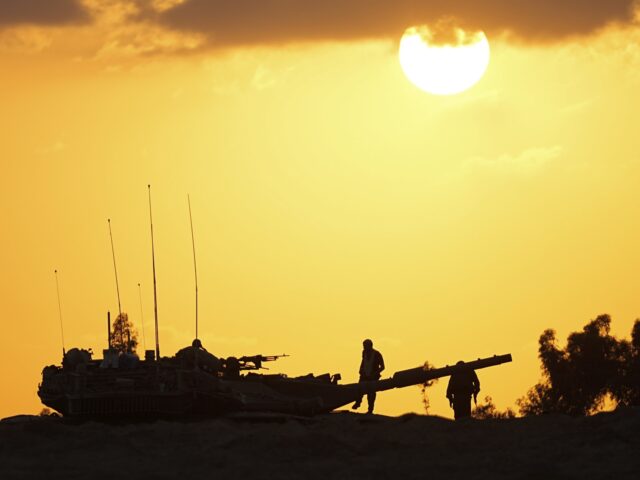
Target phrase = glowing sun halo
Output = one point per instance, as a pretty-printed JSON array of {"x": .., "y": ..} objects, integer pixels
[{"x": 443, "y": 68}]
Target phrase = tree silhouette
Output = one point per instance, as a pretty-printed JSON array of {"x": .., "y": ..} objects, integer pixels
[
  {"x": 626, "y": 391},
  {"x": 593, "y": 365},
  {"x": 124, "y": 338},
  {"x": 488, "y": 409}
]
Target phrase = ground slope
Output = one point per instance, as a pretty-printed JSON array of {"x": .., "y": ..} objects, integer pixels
[{"x": 340, "y": 445}]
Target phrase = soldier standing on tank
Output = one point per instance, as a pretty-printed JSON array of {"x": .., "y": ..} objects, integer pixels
[
  {"x": 371, "y": 366},
  {"x": 462, "y": 386}
]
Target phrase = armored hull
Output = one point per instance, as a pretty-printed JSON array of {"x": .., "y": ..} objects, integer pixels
[{"x": 156, "y": 389}]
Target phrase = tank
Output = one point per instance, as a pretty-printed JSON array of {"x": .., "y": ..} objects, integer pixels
[{"x": 196, "y": 383}]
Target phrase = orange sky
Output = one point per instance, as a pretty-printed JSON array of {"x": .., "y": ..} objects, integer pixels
[{"x": 332, "y": 199}]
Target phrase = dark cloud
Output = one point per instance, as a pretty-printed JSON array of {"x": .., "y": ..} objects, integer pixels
[
  {"x": 41, "y": 12},
  {"x": 246, "y": 22}
]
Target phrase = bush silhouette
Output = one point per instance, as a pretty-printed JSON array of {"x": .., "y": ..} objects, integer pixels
[
  {"x": 426, "y": 403},
  {"x": 488, "y": 409}
]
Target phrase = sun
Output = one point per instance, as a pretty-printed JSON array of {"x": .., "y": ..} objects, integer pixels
[{"x": 443, "y": 66}]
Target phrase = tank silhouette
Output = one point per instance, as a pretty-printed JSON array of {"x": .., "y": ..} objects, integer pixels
[
  {"x": 123, "y": 386},
  {"x": 195, "y": 382}
]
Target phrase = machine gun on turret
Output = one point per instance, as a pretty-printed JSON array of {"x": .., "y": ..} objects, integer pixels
[{"x": 254, "y": 362}]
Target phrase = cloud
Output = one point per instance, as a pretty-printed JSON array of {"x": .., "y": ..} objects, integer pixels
[
  {"x": 526, "y": 162},
  {"x": 389, "y": 342},
  {"x": 56, "y": 147},
  {"x": 255, "y": 22},
  {"x": 24, "y": 39},
  {"x": 125, "y": 32},
  {"x": 41, "y": 12},
  {"x": 182, "y": 338}
]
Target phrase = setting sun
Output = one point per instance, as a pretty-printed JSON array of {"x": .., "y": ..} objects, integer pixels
[{"x": 443, "y": 68}]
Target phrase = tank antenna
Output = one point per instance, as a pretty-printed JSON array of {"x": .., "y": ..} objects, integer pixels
[
  {"x": 195, "y": 268},
  {"x": 113, "y": 253},
  {"x": 144, "y": 340},
  {"x": 60, "y": 313},
  {"x": 155, "y": 294}
]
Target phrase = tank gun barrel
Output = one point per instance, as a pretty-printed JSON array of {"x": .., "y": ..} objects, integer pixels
[
  {"x": 418, "y": 375},
  {"x": 405, "y": 378}
]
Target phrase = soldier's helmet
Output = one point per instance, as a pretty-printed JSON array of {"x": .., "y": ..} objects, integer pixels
[
  {"x": 367, "y": 343},
  {"x": 196, "y": 343}
]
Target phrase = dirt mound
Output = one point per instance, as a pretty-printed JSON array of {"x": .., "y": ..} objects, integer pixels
[{"x": 339, "y": 445}]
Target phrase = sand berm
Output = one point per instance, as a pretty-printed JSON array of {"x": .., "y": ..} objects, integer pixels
[{"x": 338, "y": 445}]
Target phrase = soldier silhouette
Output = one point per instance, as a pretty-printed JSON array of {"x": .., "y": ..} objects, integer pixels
[
  {"x": 371, "y": 366},
  {"x": 462, "y": 385},
  {"x": 197, "y": 354}
]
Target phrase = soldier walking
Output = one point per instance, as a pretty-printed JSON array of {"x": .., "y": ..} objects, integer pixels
[{"x": 462, "y": 386}]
